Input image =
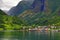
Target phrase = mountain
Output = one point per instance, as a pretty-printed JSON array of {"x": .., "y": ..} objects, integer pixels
[
  {"x": 27, "y": 5},
  {"x": 23, "y": 5},
  {"x": 40, "y": 12}
]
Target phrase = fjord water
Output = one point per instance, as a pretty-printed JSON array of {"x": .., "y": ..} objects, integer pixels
[{"x": 29, "y": 35}]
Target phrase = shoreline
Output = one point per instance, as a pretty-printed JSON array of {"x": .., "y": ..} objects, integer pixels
[{"x": 29, "y": 30}]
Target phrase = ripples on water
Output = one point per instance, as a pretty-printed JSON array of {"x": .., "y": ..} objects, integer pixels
[{"x": 29, "y": 35}]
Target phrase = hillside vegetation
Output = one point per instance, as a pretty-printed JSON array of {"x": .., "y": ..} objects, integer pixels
[{"x": 16, "y": 23}]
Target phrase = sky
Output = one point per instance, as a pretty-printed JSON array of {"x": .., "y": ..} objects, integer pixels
[{"x": 8, "y": 4}]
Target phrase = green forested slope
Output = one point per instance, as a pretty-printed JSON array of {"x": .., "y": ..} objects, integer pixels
[{"x": 10, "y": 22}]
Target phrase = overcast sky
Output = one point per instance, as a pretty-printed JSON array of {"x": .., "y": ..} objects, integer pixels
[{"x": 7, "y": 4}]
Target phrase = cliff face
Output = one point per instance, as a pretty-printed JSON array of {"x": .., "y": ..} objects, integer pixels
[{"x": 38, "y": 5}]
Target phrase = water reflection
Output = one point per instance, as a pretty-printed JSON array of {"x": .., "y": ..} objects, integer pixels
[{"x": 30, "y": 35}]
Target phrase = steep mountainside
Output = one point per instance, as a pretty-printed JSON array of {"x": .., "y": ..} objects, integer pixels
[
  {"x": 22, "y": 6},
  {"x": 40, "y": 12}
]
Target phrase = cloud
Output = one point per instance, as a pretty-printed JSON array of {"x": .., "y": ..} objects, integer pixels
[{"x": 7, "y": 4}]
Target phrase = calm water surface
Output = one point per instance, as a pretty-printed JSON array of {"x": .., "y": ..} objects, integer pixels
[{"x": 30, "y": 35}]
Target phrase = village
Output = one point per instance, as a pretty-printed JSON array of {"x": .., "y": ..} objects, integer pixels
[{"x": 41, "y": 28}]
